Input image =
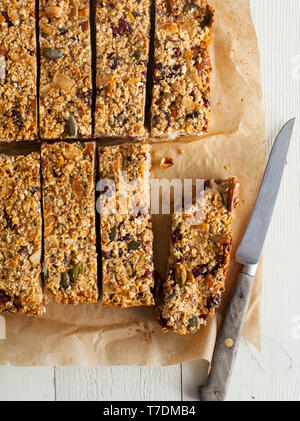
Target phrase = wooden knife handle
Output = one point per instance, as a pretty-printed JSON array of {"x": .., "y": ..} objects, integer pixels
[{"x": 227, "y": 342}]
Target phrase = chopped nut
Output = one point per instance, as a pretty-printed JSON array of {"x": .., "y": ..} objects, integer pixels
[
  {"x": 63, "y": 82},
  {"x": 53, "y": 11}
]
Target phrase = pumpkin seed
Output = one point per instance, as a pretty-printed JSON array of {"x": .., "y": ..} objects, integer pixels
[
  {"x": 137, "y": 55},
  {"x": 193, "y": 322},
  {"x": 65, "y": 280},
  {"x": 77, "y": 271},
  {"x": 44, "y": 35},
  {"x": 63, "y": 31},
  {"x": 71, "y": 126},
  {"x": 53, "y": 53},
  {"x": 189, "y": 6},
  {"x": 134, "y": 245},
  {"x": 113, "y": 234},
  {"x": 120, "y": 117},
  {"x": 180, "y": 274},
  {"x": 173, "y": 295}
]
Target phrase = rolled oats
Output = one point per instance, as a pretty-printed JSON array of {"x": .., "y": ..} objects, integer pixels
[
  {"x": 18, "y": 100},
  {"x": 182, "y": 68},
  {"x": 126, "y": 228},
  {"x": 70, "y": 259},
  {"x": 65, "y": 76},
  {"x": 20, "y": 235},
  {"x": 122, "y": 58}
]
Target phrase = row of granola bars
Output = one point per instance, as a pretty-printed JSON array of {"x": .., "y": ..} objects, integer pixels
[
  {"x": 199, "y": 253},
  {"x": 181, "y": 76}
]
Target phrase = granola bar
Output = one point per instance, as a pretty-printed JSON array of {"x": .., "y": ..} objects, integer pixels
[
  {"x": 199, "y": 256},
  {"x": 65, "y": 77},
  {"x": 122, "y": 56},
  {"x": 20, "y": 235},
  {"x": 18, "y": 100},
  {"x": 181, "y": 85},
  {"x": 70, "y": 260},
  {"x": 126, "y": 227}
]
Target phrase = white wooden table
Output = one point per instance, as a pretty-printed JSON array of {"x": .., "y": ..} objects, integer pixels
[{"x": 273, "y": 373}]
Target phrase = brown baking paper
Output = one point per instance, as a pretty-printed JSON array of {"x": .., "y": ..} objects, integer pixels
[{"x": 94, "y": 335}]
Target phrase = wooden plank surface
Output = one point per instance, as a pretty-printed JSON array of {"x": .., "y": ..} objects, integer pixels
[{"x": 273, "y": 374}]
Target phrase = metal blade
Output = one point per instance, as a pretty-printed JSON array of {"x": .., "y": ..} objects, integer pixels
[{"x": 251, "y": 246}]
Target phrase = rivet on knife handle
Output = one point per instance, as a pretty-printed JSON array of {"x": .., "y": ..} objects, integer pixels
[{"x": 227, "y": 343}]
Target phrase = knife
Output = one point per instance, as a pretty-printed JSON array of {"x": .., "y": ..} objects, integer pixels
[{"x": 248, "y": 255}]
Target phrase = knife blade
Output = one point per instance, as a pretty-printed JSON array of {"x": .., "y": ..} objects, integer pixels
[{"x": 248, "y": 254}]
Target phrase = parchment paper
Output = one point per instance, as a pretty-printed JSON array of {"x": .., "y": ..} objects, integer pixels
[{"x": 93, "y": 335}]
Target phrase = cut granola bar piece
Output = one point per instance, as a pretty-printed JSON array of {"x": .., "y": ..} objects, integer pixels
[
  {"x": 126, "y": 226},
  {"x": 20, "y": 235},
  {"x": 70, "y": 259},
  {"x": 18, "y": 101},
  {"x": 199, "y": 257},
  {"x": 122, "y": 57},
  {"x": 65, "y": 77},
  {"x": 182, "y": 68}
]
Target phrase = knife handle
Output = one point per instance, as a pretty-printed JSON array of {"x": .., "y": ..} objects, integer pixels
[{"x": 227, "y": 342}]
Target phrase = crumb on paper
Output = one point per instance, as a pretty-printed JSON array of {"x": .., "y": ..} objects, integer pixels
[
  {"x": 229, "y": 342},
  {"x": 227, "y": 167},
  {"x": 166, "y": 163},
  {"x": 181, "y": 151}
]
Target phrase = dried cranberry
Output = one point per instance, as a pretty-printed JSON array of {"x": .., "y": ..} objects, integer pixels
[
  {"x": 214, "y": 302},
  {"x": 204, "y": 317},
  {"x": 124, "y": 26},
  {"x": 115, "y": 63},
  {"x": 176, "y": 52},
  {"x": 24, "y": 249},
  {"x": 88, "y": 97},
  {"x": 195, "y": 114},
  {"x": 126, "y": 237},
  {"x": 8, "y": 220},
  {"x": 4, "y": 298},
  {"x": 200, "y": 270},
  {"x": 193, "y": 95},
  {"x": 207, "y": 184},
  {"x": 168, "y": 119},
  {"x": 207, "y": 20},
  {"x": 176, "y": 235},
  {"x": 106, "y": 255},
  {"x": 206, "y": 102}
]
